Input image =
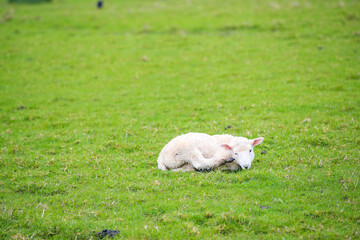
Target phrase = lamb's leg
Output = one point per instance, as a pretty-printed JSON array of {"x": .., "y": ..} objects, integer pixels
[{"x": 199, "y": 162}]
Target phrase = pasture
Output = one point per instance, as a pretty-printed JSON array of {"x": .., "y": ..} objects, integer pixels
[{"x": 88, "y": 98}]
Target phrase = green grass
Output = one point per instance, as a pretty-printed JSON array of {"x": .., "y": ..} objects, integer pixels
[{"x": 89, "y": 97}]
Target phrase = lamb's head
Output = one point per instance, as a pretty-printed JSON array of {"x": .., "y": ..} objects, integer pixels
[{"x": 244, "y": 151}]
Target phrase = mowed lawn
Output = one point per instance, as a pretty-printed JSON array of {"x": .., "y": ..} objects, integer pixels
[{"x": 88, "y": 98}]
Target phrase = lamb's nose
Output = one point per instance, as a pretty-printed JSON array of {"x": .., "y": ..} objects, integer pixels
[{"x": 245, "y": 166}]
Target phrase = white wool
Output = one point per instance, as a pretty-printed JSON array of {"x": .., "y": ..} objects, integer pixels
[{"x": 200, "y": 151}]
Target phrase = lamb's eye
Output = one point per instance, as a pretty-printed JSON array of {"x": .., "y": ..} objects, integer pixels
[
  {"x": 235, "y": 154},
  {"x": 250, "y": 150}
]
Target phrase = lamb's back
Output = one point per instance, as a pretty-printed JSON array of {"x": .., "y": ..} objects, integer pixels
[{"x": 186, "y": 142}]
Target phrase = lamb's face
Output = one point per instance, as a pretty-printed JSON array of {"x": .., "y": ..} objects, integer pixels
[
  {"x": 244, "y": 152},
  {"x": 244, "y": 155}
]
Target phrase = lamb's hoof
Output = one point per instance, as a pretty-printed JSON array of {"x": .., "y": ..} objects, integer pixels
[{"x": 230, "y": 159}]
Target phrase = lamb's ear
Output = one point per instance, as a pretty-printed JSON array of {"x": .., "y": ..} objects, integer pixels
[
  {"x": 227, "y": 147},
  {"x": 256, "y": 141}
]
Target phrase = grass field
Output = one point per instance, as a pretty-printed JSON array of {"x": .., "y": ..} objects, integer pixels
[{"x": 89, "y": 97}]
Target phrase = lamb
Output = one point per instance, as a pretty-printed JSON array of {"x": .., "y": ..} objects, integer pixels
[{"x": 200, "y": 151}]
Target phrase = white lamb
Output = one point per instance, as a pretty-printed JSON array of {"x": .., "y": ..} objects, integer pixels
[{"x": 200, "y": 151}]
